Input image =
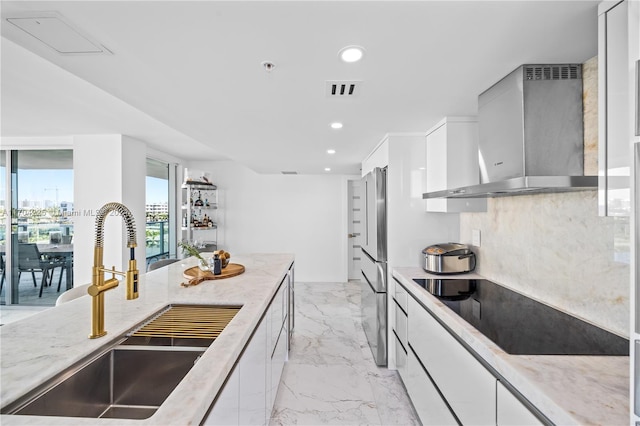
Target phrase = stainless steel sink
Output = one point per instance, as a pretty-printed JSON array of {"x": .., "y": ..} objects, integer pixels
[
  {"x": 132, "y": 377},
  {"x": 124, "y": 382}
]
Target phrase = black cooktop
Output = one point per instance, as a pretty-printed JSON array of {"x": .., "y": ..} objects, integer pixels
[{"x": 519, "y": 324}]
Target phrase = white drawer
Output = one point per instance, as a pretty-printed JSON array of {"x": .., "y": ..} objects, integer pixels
[
  {"x": 400, "y": 325},
  {"x": 400, "y": 296},
  {"x": 467, "y": 386},
  {"x": 430, "y": 407},
  {"x": 401, "y": 360}
]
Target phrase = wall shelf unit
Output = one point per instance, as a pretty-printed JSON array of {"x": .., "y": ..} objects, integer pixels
[{"x": 199, "y": 214}]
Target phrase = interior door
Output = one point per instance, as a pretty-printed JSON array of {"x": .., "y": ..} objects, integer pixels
[{"x": 355, "y": 224}]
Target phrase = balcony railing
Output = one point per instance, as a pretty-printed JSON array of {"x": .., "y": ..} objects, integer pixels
[{"x": 157, "y": 239}]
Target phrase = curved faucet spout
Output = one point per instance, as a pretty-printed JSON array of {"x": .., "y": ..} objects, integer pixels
[
  {"x": 98, "y": 284},
  {"x": 128, "y": 220}
]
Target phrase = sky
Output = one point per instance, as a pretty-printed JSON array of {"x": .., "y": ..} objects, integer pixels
[{"x": 39, "y": 184}]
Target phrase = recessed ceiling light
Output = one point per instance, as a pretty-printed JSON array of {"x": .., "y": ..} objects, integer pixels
[
  {"x": 331, "y": 151},
  {"x": 351, "y": 53},
  {"x": 336, "y": 125},
  {"x": 327, "y": 169}
]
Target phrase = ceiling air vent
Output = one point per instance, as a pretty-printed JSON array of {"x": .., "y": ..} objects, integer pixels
[
  {"x": 343, "y": 89},
  {"x": 289, "y": 173},
  {"x": 58, "y": 33},
  {"x": 553, "y": 72}
]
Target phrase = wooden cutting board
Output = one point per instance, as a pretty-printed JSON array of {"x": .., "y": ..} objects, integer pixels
[{"x": 196, "y": 275}]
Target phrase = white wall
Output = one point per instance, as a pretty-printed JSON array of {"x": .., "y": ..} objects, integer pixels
[
  {"x": 107, "y": 168},
  {"x": 300, "y": 214}
]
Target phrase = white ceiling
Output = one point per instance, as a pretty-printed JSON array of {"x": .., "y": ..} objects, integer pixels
[{"x": 186, "y": 77}]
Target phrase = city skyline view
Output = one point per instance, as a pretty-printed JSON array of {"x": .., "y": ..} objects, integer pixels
[{"x": 56, "y": 186}]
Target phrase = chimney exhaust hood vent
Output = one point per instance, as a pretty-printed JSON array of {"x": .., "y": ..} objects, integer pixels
[{"x": 531, "y": 140}]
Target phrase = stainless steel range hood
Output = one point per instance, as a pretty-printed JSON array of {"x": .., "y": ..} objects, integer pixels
[{"x": 530, "y": 135}]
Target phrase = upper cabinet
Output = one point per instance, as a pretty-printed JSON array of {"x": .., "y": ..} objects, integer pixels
[
  {"x": 614, "y": 127},
  {"x": 452, "y": 162},
  {"x": 378, "y": 158}
]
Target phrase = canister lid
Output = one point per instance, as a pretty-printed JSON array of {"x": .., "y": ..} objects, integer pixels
[{"x": 447, "y": 248}]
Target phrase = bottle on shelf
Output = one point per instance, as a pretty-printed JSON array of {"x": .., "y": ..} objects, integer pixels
[{"x": 198, "y": 202}]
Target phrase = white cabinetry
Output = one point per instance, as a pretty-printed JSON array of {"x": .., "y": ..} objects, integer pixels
[
  {"x": 249, "y": 393},
  {"x": 253, "y": 379},
  {"x": 445, "y": 382},
  {"x": 226, "y": 410},
  {"x": 379, "y": 157},
  {"x": 278, "y": 343},
  {"x": 452, "y": 162},
  {"x": 511, "y": 412},
  {"x": 467, "y": 386},
  {"x": 429, "y": 405},
  {"x": 399, "y": 329},
  {"x": 615, "y": 137}
]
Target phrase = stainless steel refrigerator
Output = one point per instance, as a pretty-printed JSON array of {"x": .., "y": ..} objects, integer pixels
[{"x": 374, "y": 263}]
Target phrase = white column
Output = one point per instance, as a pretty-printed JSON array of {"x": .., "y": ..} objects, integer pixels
[{"x": 107, "y": 168}]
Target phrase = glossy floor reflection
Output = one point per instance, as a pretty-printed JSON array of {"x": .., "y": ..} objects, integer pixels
[{"x": 331, "y": 377}]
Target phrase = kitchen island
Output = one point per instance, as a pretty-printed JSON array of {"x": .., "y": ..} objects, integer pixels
[
  {"x": 566, "y": 389},
  {"x": 37, "y": 348}
]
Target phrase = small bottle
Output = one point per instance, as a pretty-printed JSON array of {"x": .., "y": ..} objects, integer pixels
[
  {"x": 198, "y": 202},
  {"x": 217, "y": 264}
]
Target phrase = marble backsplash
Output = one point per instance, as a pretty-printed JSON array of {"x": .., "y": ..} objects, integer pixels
[
  {"x": 556, "y": 249},
  {"x": 590, "y": 109}
]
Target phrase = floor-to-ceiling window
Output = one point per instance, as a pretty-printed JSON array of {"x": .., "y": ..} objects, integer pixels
[
  {"x": 4, "y": 206},
  {"x": 157, "y": 210},
  {"x": 37, "y": 248}
]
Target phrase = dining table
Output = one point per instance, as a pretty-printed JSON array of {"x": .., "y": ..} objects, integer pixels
[{"x": 55, "y": 250}]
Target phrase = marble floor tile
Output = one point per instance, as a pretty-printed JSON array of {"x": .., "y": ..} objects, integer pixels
[
  {"x": 324, "y": 394},
  {"x": 330, "y": 377}
]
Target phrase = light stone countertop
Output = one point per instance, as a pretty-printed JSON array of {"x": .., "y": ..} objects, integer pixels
[
  {"x": 36, "y": 348},
  {"x": 569, "y": 390}
]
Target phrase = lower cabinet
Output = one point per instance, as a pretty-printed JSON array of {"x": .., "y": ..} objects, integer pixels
[
  {"x": 428, "y": 403},
  {"x": 249, "y": 393},
  {"x": 445, "y": 382},
  {"x": 467, "y": 386},
  {"x": 253, "y": 379},
  {"x": 277, "y": 349},
  {"x": 226, "y": 410},
  {"x": 401, "y": 359},
  {"x": 276, "y": 367},
  {"x": 512, "y": 412}
]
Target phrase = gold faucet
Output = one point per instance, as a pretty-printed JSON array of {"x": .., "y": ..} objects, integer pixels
[{"x": 98, "y": 284}]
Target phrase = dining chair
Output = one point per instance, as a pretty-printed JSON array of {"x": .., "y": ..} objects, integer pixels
[
  {"x": 4, "y": 270},
  {"x": 31, "y": 260}
]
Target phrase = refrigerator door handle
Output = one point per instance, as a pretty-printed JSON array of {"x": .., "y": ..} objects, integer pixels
[
  {"x": 382, "y": 274},
  {"x": 373, "y": 290}
]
